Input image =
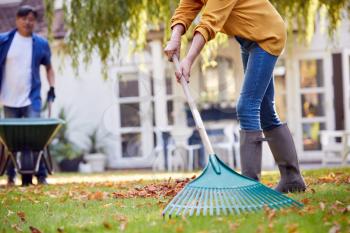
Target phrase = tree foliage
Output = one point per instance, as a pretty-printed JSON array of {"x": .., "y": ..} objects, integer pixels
[{"x": 99, "y": 25}]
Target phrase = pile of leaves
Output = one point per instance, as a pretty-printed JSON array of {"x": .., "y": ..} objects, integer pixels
[{"x": 156, "y": 190}]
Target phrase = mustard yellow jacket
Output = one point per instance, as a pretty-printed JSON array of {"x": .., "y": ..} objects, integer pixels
[{"x": 255, "y": 20}]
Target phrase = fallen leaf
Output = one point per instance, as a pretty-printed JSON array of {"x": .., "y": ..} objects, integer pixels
[
  {"x": 271, "y": 215},
  {"x": 152, "y": 188},
  {"x": 322, "y": 206},
  {"x": 270, "y": 225},
  {"x": 334, "y": 229},
  {"x": 60, "y": 229},
  {"x": 34, "y": 230},
  {"x": 16, "y": 228},
  {"x": 179, "y": 229},
  {"x": 122, "y": 226},
  {"x": 292, "y": 228},
  {"x": 107, "y": 225},
  {"x": 9, "y": 213},
  {"x": 305, "y": 201},
  {"x": 143, "y": 193},
  {"x": 96, "y": 196},
  {"x": 339, "y": 203},
  {"x": 233, "y": 226},
  {"x": 107, "y": 205},
  {"x": 109, "y": 184},
  {"x": 344, "y": 210},
  {"x": 21, "y": 215},
  {"x": 121, "y": 218}
]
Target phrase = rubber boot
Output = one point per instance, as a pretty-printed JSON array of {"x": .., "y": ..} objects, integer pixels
[
  {"x": 283, "y": 149},
  {"x": 251, "y": 153}
]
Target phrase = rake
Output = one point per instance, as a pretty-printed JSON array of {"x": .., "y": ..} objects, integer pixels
[{"x": 220, "y": 189}]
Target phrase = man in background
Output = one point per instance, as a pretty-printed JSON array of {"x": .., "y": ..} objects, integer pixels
[{"x": 21, "y": 54}]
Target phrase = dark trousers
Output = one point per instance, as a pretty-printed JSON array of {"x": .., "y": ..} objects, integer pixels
[{"x": 23, "y": 112}]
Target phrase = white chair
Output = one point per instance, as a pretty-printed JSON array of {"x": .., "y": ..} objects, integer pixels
[
  {"x": 158, "y": 162},
  {"x": 158, "y": 153},
  {"x": 335, "y": 146},
  {"x": 176, "y": 156},
  {"x": 230, "y": 145},
  {"x": 236, "y": 145},
  {"x": 346, "y": 150},
  {"x": 179, "y": 151}
]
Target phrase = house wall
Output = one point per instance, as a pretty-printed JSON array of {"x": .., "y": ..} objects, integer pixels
[{"x": 85, "y": 99}]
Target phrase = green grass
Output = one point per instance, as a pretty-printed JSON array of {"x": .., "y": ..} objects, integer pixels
[{"x": 91, "y": 207}]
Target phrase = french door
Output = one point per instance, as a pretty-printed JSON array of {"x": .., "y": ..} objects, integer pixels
[{"x": 314, "y": 102}]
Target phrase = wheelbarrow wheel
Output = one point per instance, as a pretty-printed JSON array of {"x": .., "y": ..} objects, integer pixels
[
  {"x": 27, "y": 179},
  {"x": 27, "y": 164}
]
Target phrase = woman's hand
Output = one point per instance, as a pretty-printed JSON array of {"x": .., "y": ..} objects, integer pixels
[
  {"x": 198, "y": 43},
  {"x": 174, "y": 44},
  {"x": 184, "y": 70},
  {"x": 172, "y": 48}
]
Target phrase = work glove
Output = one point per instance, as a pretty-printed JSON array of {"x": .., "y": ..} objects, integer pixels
[{"x": 51, "y": 95}]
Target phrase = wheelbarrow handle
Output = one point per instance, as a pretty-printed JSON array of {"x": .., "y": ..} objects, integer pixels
[{"x": 197, "y": 118}]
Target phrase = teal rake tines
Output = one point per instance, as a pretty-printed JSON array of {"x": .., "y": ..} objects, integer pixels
[
  {"x": 227, "y": 192},
  {"x": 219, "y": 189}
]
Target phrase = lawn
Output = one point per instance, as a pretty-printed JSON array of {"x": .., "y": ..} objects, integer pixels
[{"x": 135, "y": 205}]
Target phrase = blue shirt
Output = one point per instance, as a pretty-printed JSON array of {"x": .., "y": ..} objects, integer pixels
[{"x": 41, "y": 56}]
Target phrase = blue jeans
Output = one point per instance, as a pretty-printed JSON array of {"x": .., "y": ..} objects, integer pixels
[
  {"x": 23, "y": 112},
  {"x": 256, "y": 105}
]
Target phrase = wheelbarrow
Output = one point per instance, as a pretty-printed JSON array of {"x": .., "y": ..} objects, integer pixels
[{"x": 32, "y": 135}]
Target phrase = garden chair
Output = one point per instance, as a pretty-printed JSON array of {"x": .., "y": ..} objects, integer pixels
[{"x": 335, "y": 146}]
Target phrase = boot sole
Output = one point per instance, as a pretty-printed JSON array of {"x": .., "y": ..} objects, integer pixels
[{"x": 291, "y": 188}]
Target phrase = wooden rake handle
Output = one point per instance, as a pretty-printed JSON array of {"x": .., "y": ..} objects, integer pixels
[{"x": 197, "y": 118}]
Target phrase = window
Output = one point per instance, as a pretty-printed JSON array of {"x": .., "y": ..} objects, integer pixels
[
  {"x": 312, "y": 105},
  {"x": 311, "y": 73},
  {"x": 169, "y": 76},
  {"x": 128, "y": 85},
  {"x": 131, "y": 145},
  {"x": 170, "y": 112},
  {"x": 311, "y": 135},
  {"x": 312, "y": 94},
  {"x": 129, "y": 115}
]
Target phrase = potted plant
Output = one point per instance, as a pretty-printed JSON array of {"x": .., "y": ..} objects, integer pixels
[
  {"x": 66, "y": 153},
  {"x": 95, "y": 154}
]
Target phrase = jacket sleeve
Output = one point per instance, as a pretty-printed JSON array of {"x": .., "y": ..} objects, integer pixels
[
  {"x": 214, "y": 17},
  {"x": 186, "y": 12}
]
